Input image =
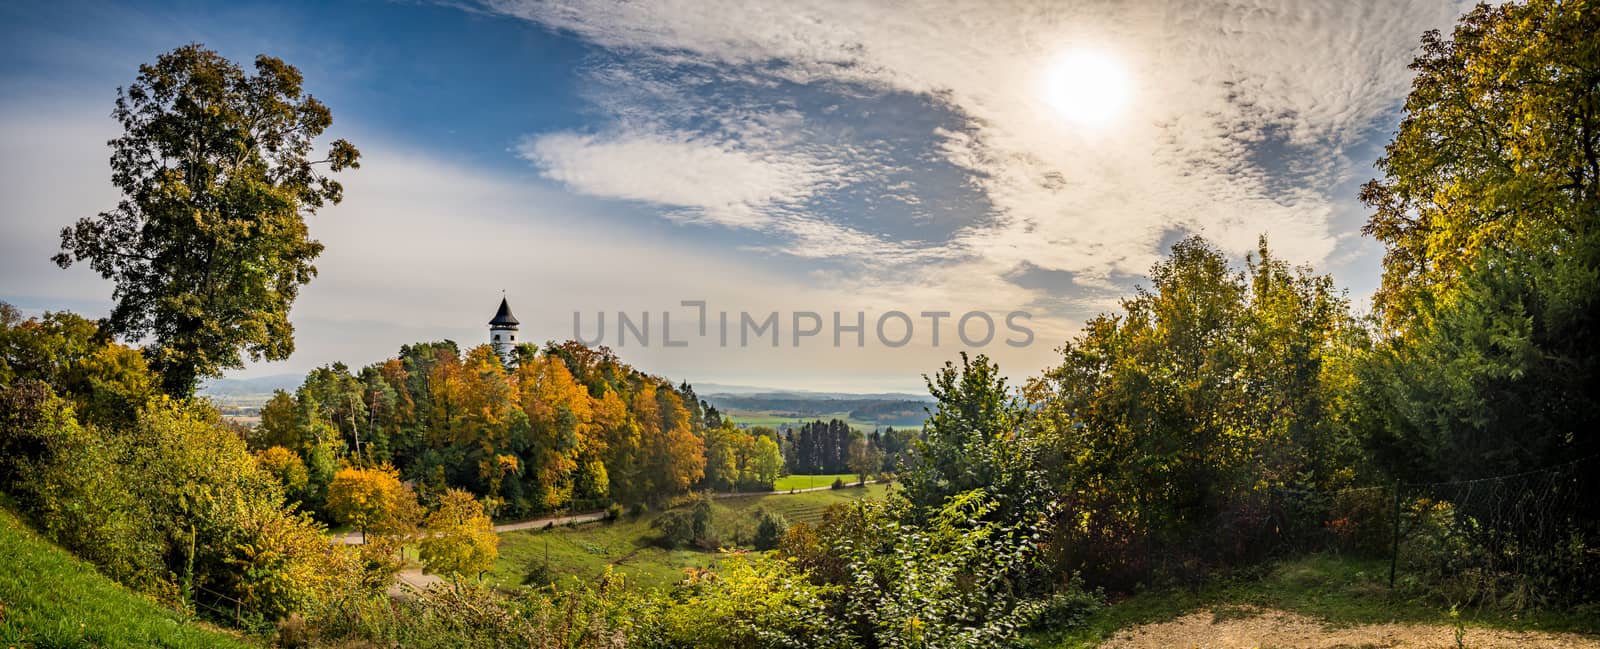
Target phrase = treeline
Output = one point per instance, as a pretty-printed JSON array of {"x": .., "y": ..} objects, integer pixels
[
  {"x": 884, "y": 411},
  {"x": 547, "y": 429},
  {"x": 828, "y": 447}
]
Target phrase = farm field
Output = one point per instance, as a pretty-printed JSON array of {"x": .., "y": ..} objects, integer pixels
[
  {"x": 775, "y": 419},
  {"x": 627, "y": 545},
  {"x": 809, "y": 481}
]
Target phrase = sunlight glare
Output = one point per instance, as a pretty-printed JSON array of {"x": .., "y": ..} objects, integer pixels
[{"x": 1087, "y": 87}]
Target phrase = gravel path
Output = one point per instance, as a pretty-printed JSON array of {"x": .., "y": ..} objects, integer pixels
[{"x": 1282, "y": 630}]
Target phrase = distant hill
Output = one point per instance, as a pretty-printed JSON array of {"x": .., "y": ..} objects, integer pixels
[
  {"x": 259, "y": 386},
  {"x": 861, "y": 410},
  {"x": 728, "y": 390}
]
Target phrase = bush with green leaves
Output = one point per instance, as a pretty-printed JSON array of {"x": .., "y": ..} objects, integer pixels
[
  {"x": 168, "y": 501},
  {"x": 957, "y": 580},
  {"x": 770, "y": 528}
]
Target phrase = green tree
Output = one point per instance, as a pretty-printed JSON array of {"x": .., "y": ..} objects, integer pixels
[
  {"x": 107, "y": 383},
  {"x": 1488, "y": 211},
  {"x": 208, "y": 246},
  {"x": 1487, "y": 362},
  {"x": 975, "y": 439},
  {"x": 766, "y": 462},
  {"x": 1171, "y": 422}
]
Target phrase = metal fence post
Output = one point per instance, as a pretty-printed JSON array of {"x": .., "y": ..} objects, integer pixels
[{"x": 1394, "y": 549}]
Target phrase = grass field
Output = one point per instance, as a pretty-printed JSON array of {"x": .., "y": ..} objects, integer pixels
[
  {"x": 626, "y": 545},
  {"x": 774, "y": 419},
  {"x": 48, "y": 598},
  {"x": 1339, "y": 590},
  {"x": 808, "y": 481}
]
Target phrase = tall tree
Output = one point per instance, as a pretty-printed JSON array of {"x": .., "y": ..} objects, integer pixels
[
  {"x": 1488, "y": 210},
  {"x": 208, "y": 246}
]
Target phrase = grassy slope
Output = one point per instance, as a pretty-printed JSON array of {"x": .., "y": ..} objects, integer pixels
[
  {"x": 48, "y": 598},
  {"x": 585, "y": 550},
  {"x": 1339, "y": 590}
]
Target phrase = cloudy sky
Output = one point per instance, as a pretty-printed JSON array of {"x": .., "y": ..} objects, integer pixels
[{"x": 803, "y": 156}]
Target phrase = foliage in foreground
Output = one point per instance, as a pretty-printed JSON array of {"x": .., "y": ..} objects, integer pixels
[{"x": 50, "y": 599}]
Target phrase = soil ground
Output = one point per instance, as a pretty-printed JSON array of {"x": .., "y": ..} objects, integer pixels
[{"x": 1269, "y": 628}]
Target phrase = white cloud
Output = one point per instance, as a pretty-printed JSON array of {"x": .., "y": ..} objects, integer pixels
[
  {"x": 707, "y": 181},
  {"x": 1241, "y": 120}
]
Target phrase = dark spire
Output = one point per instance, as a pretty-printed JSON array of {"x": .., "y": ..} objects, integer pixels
[{"x": 503, "y": 317}]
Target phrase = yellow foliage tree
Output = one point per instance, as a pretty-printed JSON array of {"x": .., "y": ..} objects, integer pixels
[
  {"x": 287, "y": 467},
  {"x": 460, "y": 539},
  {"x": 373, "y": 500}
]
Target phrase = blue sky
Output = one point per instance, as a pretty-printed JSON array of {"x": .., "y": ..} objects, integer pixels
[{"x": 808, "y": 156}]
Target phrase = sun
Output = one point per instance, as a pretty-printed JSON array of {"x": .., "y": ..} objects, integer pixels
[{"x": 1087, "y": 87}]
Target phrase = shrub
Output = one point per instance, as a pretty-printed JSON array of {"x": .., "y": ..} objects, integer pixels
[
  {"x": 770, "y": 529},
  {"x": 614, "y": 512},
  {"x": 838, "y": 483},
  {"x": 694, "y": 526},
  {"x": 68, "y": 478},
  {"x": 750, "y": 601},
  {"x": 676, "y": 529}
]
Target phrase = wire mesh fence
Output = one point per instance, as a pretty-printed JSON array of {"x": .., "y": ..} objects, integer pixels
[
  {"x": 1528, "y": 538},
  {"x": 1518, "y": 540}
]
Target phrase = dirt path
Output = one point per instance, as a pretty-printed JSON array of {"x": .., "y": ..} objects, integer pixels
[
  {"x": 354, "y": 538},
  {"x": 1282, "y": 630}
]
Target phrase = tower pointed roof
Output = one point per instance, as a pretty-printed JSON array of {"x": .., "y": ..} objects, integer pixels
[{"x": 503, "y": 317}]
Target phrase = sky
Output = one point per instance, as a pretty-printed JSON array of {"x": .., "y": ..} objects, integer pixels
[{"x": 1016, "y": 165}]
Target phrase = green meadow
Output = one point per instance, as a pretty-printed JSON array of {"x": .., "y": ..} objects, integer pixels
[{"x": 628, "y": 547}]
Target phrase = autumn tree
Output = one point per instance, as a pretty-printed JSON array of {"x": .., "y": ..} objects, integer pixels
[
  {"x": 460, "y": 539},
  {"x": 562, "y": 434},
  {"x": 107, "y": 383},
  {"x": 208, "y": 246},
  {"x": 372, "y": 500},
  {"x": 287, "y": 467},
  {"x": 671, "y": 457}
]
